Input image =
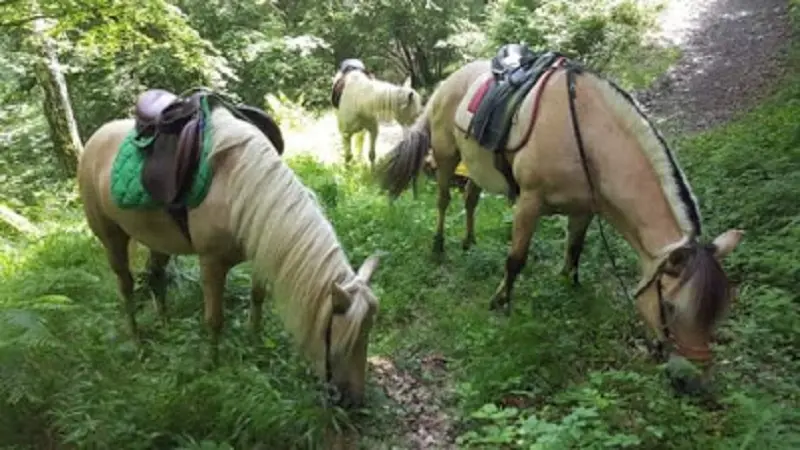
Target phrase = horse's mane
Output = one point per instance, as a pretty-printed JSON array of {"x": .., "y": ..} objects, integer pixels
[
  {"x": 380, "y": 98},
  {"x": 701, "y": 269},
  {"x": 676, "y": 188},
  {"x": 712, "y": 289},
  {"x": 284, "y": 233}
]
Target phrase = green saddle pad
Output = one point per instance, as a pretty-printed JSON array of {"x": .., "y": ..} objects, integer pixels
[{"x": 127, "y": 189}]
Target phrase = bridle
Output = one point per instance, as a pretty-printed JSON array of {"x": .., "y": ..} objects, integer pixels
[
  {"x": 696, "y": 354},
  {"x": 333, "y": 395}
]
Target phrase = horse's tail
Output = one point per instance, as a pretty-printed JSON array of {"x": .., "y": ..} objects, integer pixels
[{"x": 403, "y": 163}]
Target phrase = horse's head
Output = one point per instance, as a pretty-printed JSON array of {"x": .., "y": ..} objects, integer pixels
[
  {"x": 410, "y": 105},
  {"x": 686, "y": 295},
  {"x": 353, "y": 309}
]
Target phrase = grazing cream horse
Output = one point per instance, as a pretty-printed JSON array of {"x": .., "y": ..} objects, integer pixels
[
  {"x": 257, "y": 210},
  {"x": 364, "y": 102},
  {"x": 636, "y": 185}
]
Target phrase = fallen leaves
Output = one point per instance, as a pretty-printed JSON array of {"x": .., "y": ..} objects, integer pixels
[{"x": 427, "y": 426}]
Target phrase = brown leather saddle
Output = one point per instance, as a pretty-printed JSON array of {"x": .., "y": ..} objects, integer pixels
[{"x": 172, "y": 127}]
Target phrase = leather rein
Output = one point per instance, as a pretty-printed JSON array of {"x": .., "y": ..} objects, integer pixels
[
  {"x": 697, "y": 354},
  {"x": 333, "y": 394}
]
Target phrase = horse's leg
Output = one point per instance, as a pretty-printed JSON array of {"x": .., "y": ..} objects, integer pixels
[
  {"x": 358, "y": 144},
  {"x": 346, "y": 142},
  {"x": 157, "y": 281},
  {"x": 444, "y": 176},
  {"x": 373, "y": 141},
  {"x": 525, "y": 220},
  {"x": 116, "y": 241},
  {"x": 258, "y": 291},
  {"x": 214, "y": 273},
  {"x": 576, "y": 235},
  {"x": 472, "y": 193}
]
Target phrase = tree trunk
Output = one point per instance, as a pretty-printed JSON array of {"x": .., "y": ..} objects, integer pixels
[{"x": 57, "y": 107}]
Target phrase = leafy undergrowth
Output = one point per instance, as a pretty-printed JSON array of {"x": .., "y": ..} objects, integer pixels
[{"x": 564, "y": 371}]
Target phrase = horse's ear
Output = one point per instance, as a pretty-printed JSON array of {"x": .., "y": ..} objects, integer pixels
[
  {"x": 407, "y": 82},
  {"x": 340, "y": 298},
  {"x": 368, "y": 268},
  {"x": 726, "y": 242}
]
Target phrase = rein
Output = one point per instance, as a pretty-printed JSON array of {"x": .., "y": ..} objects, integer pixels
[
  {"x": 698, "y": 354},
  {"x": 332, "y": 393}
]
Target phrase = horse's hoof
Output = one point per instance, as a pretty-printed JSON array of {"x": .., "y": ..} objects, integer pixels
[
  {"x": 501, "y": 304},
  {"x": 255, "y": 331},
  {"x": 438, "y": 245},
  {"x": 496, "y": 303},
  {"x": 467, "y": 243},
  {"x": 570, "y": 276},
  {"x": 438, "y": 257}
]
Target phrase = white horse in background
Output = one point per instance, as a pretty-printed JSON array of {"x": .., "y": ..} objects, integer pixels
[{"x": 363, "y": 101}]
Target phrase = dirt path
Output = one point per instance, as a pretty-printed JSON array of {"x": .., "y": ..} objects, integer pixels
[{"x": 733, "y": 53}]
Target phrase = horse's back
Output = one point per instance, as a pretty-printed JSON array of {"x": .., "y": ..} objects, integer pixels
[
  {"x": 154, "y": 228},
  {"x": 94, "y": 165}
]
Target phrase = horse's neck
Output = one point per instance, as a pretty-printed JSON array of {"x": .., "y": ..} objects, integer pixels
[
  {"x": 633, "y": 199},
  {"x": 283, "y": 231},
  {"x": 640, "y": 194},
  {"x": 652, "y": 238},
  {"x": 376, "y": 96}
]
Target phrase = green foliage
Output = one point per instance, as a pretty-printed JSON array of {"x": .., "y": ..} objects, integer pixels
[
  {"x": 69, "y": 368},
  {"x": 596, "y": 32}
]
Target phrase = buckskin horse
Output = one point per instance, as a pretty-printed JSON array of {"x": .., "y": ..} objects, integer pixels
[
  {"x": 361, "y": 101},
  {"x": 256, "y": 209},
  {"x": 574, "y": 144}
]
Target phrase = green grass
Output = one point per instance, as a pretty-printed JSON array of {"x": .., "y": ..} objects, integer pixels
[{"x": 564, "y": 359}]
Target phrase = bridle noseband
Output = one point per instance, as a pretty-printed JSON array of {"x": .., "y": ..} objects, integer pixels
[{"x": 693, "y": 353}]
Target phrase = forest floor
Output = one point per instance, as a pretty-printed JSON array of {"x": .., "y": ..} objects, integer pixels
[{"x": 733, "y": 53}]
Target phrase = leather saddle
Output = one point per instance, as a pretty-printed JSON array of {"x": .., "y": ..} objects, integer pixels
[
  {"x": 171, "y": 130},
  {"x": 345, "y": 67},
  {"x": 515, "y": 69}
]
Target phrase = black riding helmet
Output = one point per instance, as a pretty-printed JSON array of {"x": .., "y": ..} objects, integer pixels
[
  {"x": 352, "y": 64},
  {"x": 511, "y": 56}
]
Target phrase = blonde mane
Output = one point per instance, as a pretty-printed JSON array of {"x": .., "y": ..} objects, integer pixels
[
  {"x": 382, "y": 99},
  {"x": 285, "y": 234},
  {"x": 676, "y": 188}
]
